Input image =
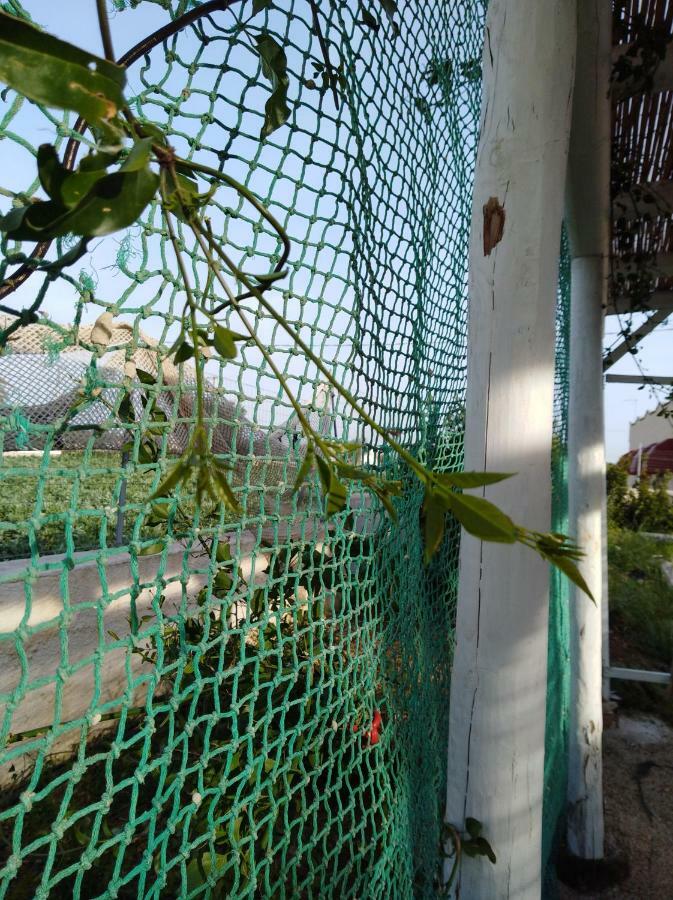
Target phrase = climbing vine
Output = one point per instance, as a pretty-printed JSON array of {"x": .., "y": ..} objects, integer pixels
[{"x": 133, "y": 163}]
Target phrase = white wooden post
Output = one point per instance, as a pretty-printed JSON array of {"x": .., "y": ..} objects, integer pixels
[
  {"x": 499, "y": 682},
  {"x": 588, "y": 220}
]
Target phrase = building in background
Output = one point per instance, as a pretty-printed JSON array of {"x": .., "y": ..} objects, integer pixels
[{"x": 651, "y": 444}]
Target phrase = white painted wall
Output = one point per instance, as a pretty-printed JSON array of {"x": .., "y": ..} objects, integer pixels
[{"x": 649, "y": 429}]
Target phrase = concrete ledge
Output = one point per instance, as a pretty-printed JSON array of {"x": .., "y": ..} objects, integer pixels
[
  {"x": 58, "y": 660},
  {"x": 59, "y": 664}
]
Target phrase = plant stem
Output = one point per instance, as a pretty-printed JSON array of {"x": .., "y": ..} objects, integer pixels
[
  {"x": 310, "y": 433},
  {"x": 105, "y": 33},
  {"x": 244, "y": 192},
  {"x": 324, "y": 49},
  {"x": 192, "y": 311},
  {"x": 261, "y": 209},
  {"x": 416, "y": 467},
  {"x": 26, "y": 316}
]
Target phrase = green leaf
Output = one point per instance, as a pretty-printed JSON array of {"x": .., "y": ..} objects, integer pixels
[
  {"x": 571, "y": 571},
  {"x": 77, "y": 185},
  {"x": 151, "y": 549},
  {"x": 223, "y": 490},
  {"x": 63, "y": 186},
  {"x": 224, "y": 341},
  {"x": 58, "y": 74},
  {"x": 51, "y": 171},
  {"x": 353, "y": 473},
  {"x": 466, "y": 480},
  {"x": 270, "y": 277},
  {"x": 139, "y": 157},
  {"x": 98, "y": 160},
  {"x": 114, "y": 202},
  {"x": 304, "y": 469},
  {"x": 223, "y": 581},
  {"x": 473, "y": 827},
  {"x": 125, "y": 411},
  {"x": 156, "y": 132},
  {"x": 70, "y": 258},
  {"x": 336, "y": 496},
  {"x": 434, "y": 509},
  {"x": 184, "y": 352},
  {"x": 181, "y": 193},
  {"x": 13, "y": 219},
  {"x": 172, "y": 480},
  {"x": 257, "y": 602},
  {"x": 479, "y": 847},
  {"x": 369, "y": 20},
  {"x": 223, "y": 551},
  {"x": 389, "y": 7},
  {"x": 383, "y": 492},
  {"x": 81, "y": 836},
  {"x": 481, "y": 518},
  {"x": 161, "y": 510},
  {"x": 325, "y": 473},
  {"x": 147, "y": 451},
  {"x": 274, "y": 67},
  {"x": 200, "y": 868},
  {"x": 333, "y": 489},
  {"x": 25, "y": 223},
  {"x": 145, "y": 377}
]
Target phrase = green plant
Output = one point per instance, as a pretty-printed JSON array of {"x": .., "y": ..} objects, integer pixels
[
  {"x": 641, "y": 599},
  {"x": 454, "y": 844},
  {"x": 98, "y": 490},
  {"x": 646, "y": 506},
  {"x": 131, "y": 163},
  {"x": 641, "y": 616}
]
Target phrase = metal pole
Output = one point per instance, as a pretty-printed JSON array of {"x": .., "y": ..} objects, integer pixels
[{"x": 119, "y": 529}]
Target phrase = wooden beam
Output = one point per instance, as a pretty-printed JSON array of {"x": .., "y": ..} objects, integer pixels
[
  {"x": 662, "y": 77},
  {"x": 499, "y": 681},
  {"x": 588, "y": 224},
  {"x": 649, "y": 199},
  {"x": 639, "y": 379},
  {"x": 632, "y": 341},
  {"x": 622, "y": 305}
]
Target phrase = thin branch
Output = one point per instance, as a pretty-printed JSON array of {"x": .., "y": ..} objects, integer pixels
[
  {"x": 416, "y": 467},
  {"x": 192, "y": 309},
  {"x": 310, "y": 433},
  {"x": 324, "y": 49},
  {"x": 104, "y": 27}
]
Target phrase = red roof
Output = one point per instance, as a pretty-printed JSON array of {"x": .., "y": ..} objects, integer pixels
[{"x": 655, "y": 458}]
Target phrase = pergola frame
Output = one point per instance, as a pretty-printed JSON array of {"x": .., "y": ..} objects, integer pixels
[{"x": 538, "y": 54}]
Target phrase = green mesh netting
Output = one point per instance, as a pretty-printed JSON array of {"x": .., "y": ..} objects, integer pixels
[
  {"x": 558, "y": 667},
  {"x": 194, "y": 706},
  {"x": 272, "y": 722}
]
